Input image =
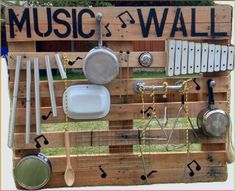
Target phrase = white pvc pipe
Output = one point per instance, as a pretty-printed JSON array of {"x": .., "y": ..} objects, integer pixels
[
  {"x": 37, "y": 96},
  {"x": 60, "y": 66},
  {"x": 14, "y": 103},
  {"x": 51, "y": 87},
  {"x": 28, "y": 89}
]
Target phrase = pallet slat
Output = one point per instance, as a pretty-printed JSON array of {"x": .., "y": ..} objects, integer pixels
[
  {"x": 119, "y": 112},
  {"x": 21, "y": 103},
  {"x": 127, "y": 170},
  {"x": 112, "y": 137},
  {"x": 119, "y": 88},
  {"x": 134, "y": 34},
  {"x": 115, "y": 15},
  {"x": 161, "y": 160},
  {"x": 160, "y": 57},
  {"x": 126, "y": 177}
]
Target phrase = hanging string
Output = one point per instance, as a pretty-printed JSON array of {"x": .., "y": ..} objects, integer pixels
[
  {"x": 142, "y": 135},
  {"x": 65, "y": 61},
  {"x": 143, "y": 109},
  {"x": 187, "y": 130},
  {"x": 165, "y": 121}
]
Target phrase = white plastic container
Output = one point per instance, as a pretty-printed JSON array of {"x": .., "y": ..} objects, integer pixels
[{"x": 86, "y": 101}]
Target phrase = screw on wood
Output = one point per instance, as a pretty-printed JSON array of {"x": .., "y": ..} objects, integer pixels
[{"x": 210, "y": 158}]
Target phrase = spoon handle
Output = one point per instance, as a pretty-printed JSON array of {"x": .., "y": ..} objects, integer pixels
[{"x": 67, "y": 147}]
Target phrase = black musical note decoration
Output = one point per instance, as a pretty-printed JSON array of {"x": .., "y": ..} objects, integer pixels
[
  {"x": 147, "y": 111},
  {"x": 143, "y": 177},
  {"x": 198, "y": 167},
  {"x": 103, "y": 175},
  {"x": 132, "y": 20},
  {"x": 197, "y": 85},
  {"x": 108, "y": 34},
  {"x": 45, "y": 117},
  {"x": 71, "y": 62},
  {"x": 46, "y": 142}
]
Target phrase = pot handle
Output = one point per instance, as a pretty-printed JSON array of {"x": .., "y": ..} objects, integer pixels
[
  {"x": 182, "y": 99},
  {"x": 99, "y": 26},
  {"x": 210, "y": 85}
]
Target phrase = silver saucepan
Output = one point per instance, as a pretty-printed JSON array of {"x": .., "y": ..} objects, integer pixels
[
  {"x": 101, "y": 65},
  {"x": 212, "y": 121}
]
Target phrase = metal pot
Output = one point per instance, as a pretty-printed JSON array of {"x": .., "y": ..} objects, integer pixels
[
  {"x": 212, "y": 121},
  {"x": 101, "y": 65},
  {"x": 33, "y": 171}
]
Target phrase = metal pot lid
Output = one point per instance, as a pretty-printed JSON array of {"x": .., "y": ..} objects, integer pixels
[
  {"x": 216, "y": 122},
  {"x": 32, "y": 172},
  {"x": 101, "y": 66}
]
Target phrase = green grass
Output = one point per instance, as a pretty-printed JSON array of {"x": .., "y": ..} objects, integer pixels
[
  {"x": 182, "y": 123},
  {"x": 105, "y": 149},
  {"x": 149, "y": 74},
  {"x": 137, "y": 74},
  {"x": 103, "y": 125},
  {"x": 76, "y": 150},
  {"x": 162, "y": 148},
  {"x": 76, "y": 126},
  {"x": 70, "y": 76}
]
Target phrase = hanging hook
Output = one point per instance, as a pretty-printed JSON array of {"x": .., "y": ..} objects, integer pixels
[
  {"x": 165, "y": 84},
  {"x": 165, "y": 121}
]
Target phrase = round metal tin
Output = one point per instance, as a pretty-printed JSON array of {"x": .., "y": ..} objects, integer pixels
[
  {"x": 146, "y": 59},
  {"x": 33, "y": 171}
]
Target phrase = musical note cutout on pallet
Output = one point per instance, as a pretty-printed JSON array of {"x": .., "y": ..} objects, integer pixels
[
  {"x": 104, "y": 174},
  {"x": 197, "y": 167},
  {"x": 189, "y": 57},
  {"x": 131, "y": 21},
  {"x": 38, "y": 145},
  {"x": 143, "y": 177}
]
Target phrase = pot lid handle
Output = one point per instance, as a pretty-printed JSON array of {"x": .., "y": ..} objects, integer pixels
[
  {"x": 99, "y": 26},
  {"x": 211, "y": 83}
]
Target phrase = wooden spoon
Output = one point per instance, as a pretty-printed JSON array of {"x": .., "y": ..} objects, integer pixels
[
  {"x": 69, "y": 175},
  {"x": 230, "y": 149}
]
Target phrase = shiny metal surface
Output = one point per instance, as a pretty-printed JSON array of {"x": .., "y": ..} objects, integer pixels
[
  {"x": 140, "y": 84},
  {"x": 216, "y": 122},
  {"x": 145, "y": 59},
  {"x": 213, "y": 122},
  {"x": 32, "y": 172},
  {"x": 101, "y": 66},
  {"x": 200, "y": 117}
]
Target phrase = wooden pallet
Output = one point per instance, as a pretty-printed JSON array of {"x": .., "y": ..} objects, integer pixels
[{"x": 122, "y": 165}]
